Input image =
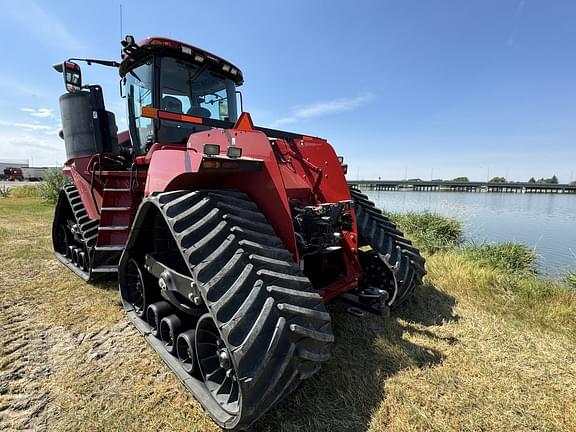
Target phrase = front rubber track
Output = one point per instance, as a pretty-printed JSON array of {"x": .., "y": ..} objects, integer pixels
[
  {"x": 403, "y": 260},
  {"x": 270, "y": 317}
]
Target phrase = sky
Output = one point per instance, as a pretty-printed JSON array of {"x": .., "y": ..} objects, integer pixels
[{"x": 401, "y": 88}]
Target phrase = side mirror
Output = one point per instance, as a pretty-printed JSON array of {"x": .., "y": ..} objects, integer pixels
[
  {"x": 223, "y": 109},
  {"x": 72, "y": 75}
]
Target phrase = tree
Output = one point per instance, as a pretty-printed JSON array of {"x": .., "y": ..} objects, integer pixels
[
  {"x": 532, "y": 180},
  {"x": 497, "y": 180},
  {"x": 461, "y": 179},
  {"x": 552, "y": 180},
  {"x": 573, "y": 183}
]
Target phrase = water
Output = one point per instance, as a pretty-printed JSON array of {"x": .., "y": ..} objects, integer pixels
[{"x": 544, "y": 222}]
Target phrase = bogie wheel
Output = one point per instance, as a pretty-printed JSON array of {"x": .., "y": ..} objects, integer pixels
[
  {"x": 135, "y": 289},
  {"x": 215, "y": 363},
  {"x": 185, "y": 348}
]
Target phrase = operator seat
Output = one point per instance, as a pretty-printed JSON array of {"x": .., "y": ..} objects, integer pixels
[
  {"x": 171, "y": 103},
  {"x": 199, "y": 111},
  {"x": 176, "y": 132}
]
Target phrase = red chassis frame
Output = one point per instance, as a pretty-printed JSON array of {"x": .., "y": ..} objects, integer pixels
[{"x": 280, "y": 171}]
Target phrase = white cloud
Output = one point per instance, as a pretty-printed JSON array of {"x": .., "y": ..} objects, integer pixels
[
  {"x": 40, "y": 112},
  {"x": 39, "y": 147},
  {"x": 319, "y": 109},
  {"x": 29, "y": 126}
]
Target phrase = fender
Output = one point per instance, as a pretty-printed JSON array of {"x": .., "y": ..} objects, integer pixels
[{"x": 174, "y": 169}]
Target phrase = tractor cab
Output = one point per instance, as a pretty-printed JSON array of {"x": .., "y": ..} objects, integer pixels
[{"x": 173, "y": 90}]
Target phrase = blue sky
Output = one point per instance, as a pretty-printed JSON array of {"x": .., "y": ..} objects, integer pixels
[{"x": 400, "y": 88}]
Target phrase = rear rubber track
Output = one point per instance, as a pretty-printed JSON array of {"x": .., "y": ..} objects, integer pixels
[
  {"x": 270, "y": 317},
  {"x": 69, "y": 208},
  {"x": 394, "y": 258}
]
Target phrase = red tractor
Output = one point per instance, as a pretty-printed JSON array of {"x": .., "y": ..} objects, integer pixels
[
  {"x": 227, "y": 239},
  {"x": 13, "y": 174}
]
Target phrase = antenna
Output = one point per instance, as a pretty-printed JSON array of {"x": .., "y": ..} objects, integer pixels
[{"x": 121, "y": 29}]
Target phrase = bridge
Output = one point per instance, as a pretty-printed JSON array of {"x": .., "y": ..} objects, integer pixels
[{"x": 458, "y": 186}]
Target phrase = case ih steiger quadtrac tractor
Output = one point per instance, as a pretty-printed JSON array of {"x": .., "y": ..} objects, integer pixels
[{"x": 227, "y": 239}]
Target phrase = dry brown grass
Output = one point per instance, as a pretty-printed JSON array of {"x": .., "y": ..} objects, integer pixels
[{"x": 472, "y": 351}]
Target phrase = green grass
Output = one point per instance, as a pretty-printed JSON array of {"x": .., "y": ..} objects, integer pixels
[
  {"x": 509, "y": 257},
  {"x": 26, "y": 191},
  {"x": 429, "y": 231}
]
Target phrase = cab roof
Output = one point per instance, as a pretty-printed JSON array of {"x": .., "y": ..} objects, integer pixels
[{"x": 133, "y": 53}]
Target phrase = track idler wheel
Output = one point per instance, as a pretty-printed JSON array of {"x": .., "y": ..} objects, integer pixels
[
  {"x": 186, "y": 351},
  {"x": 135, "y": 292},
  {"x": 155, "y": 313},
  {"x": 215, "y": 363},
  {"x": 169, "y": 329},
  {"x": 61, "y": 242}
]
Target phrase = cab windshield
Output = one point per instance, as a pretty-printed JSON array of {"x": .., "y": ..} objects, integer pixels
[
  {"x": 174, "y": 85},
  {"x": 194, "y": 90}
]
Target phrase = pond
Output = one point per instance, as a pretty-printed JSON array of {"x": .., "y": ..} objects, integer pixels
[{"x": 544, "y": 222}]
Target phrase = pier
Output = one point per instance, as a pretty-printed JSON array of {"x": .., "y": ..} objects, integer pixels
[{"x": 454, "y": 186}]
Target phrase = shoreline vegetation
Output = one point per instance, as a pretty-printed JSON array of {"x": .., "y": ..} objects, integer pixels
[
  {"x": 485, "y": 344},
  {"x": 502, "y": 275}
]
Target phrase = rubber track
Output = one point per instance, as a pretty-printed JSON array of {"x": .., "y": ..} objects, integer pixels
[
  {"x": 88, "y": 228},
  {"x": 272, "y": 319},
  {"x": 397, "y": 253}
]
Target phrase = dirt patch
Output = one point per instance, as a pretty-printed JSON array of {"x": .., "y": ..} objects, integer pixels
[{"x": 34, "y": 355}]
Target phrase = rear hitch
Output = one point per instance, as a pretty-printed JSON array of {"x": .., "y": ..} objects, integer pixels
[{"x": 372, "y": 300}]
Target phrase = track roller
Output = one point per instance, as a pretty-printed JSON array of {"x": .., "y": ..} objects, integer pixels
[
  {"x": 75, "y": 256},
  {"x": 185, "y": 348},
  {"x": 155, "y": 313},
  {"x": 170, "y": 326}
]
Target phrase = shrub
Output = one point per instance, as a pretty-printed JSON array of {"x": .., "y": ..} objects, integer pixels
[
  {"x": 53, "y": 182},
  {"x": 429, "y": 231},
  {"x": 4, "y": 191},
  {"x": 509, "y": 257},
  {"x": 570, "y": 279}
]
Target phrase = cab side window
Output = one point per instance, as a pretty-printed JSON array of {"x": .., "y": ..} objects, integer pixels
[{"x": 139, "y": 93}]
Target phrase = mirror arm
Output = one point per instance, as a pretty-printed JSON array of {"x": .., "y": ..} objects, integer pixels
[{"x": 110, "y": 63}]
